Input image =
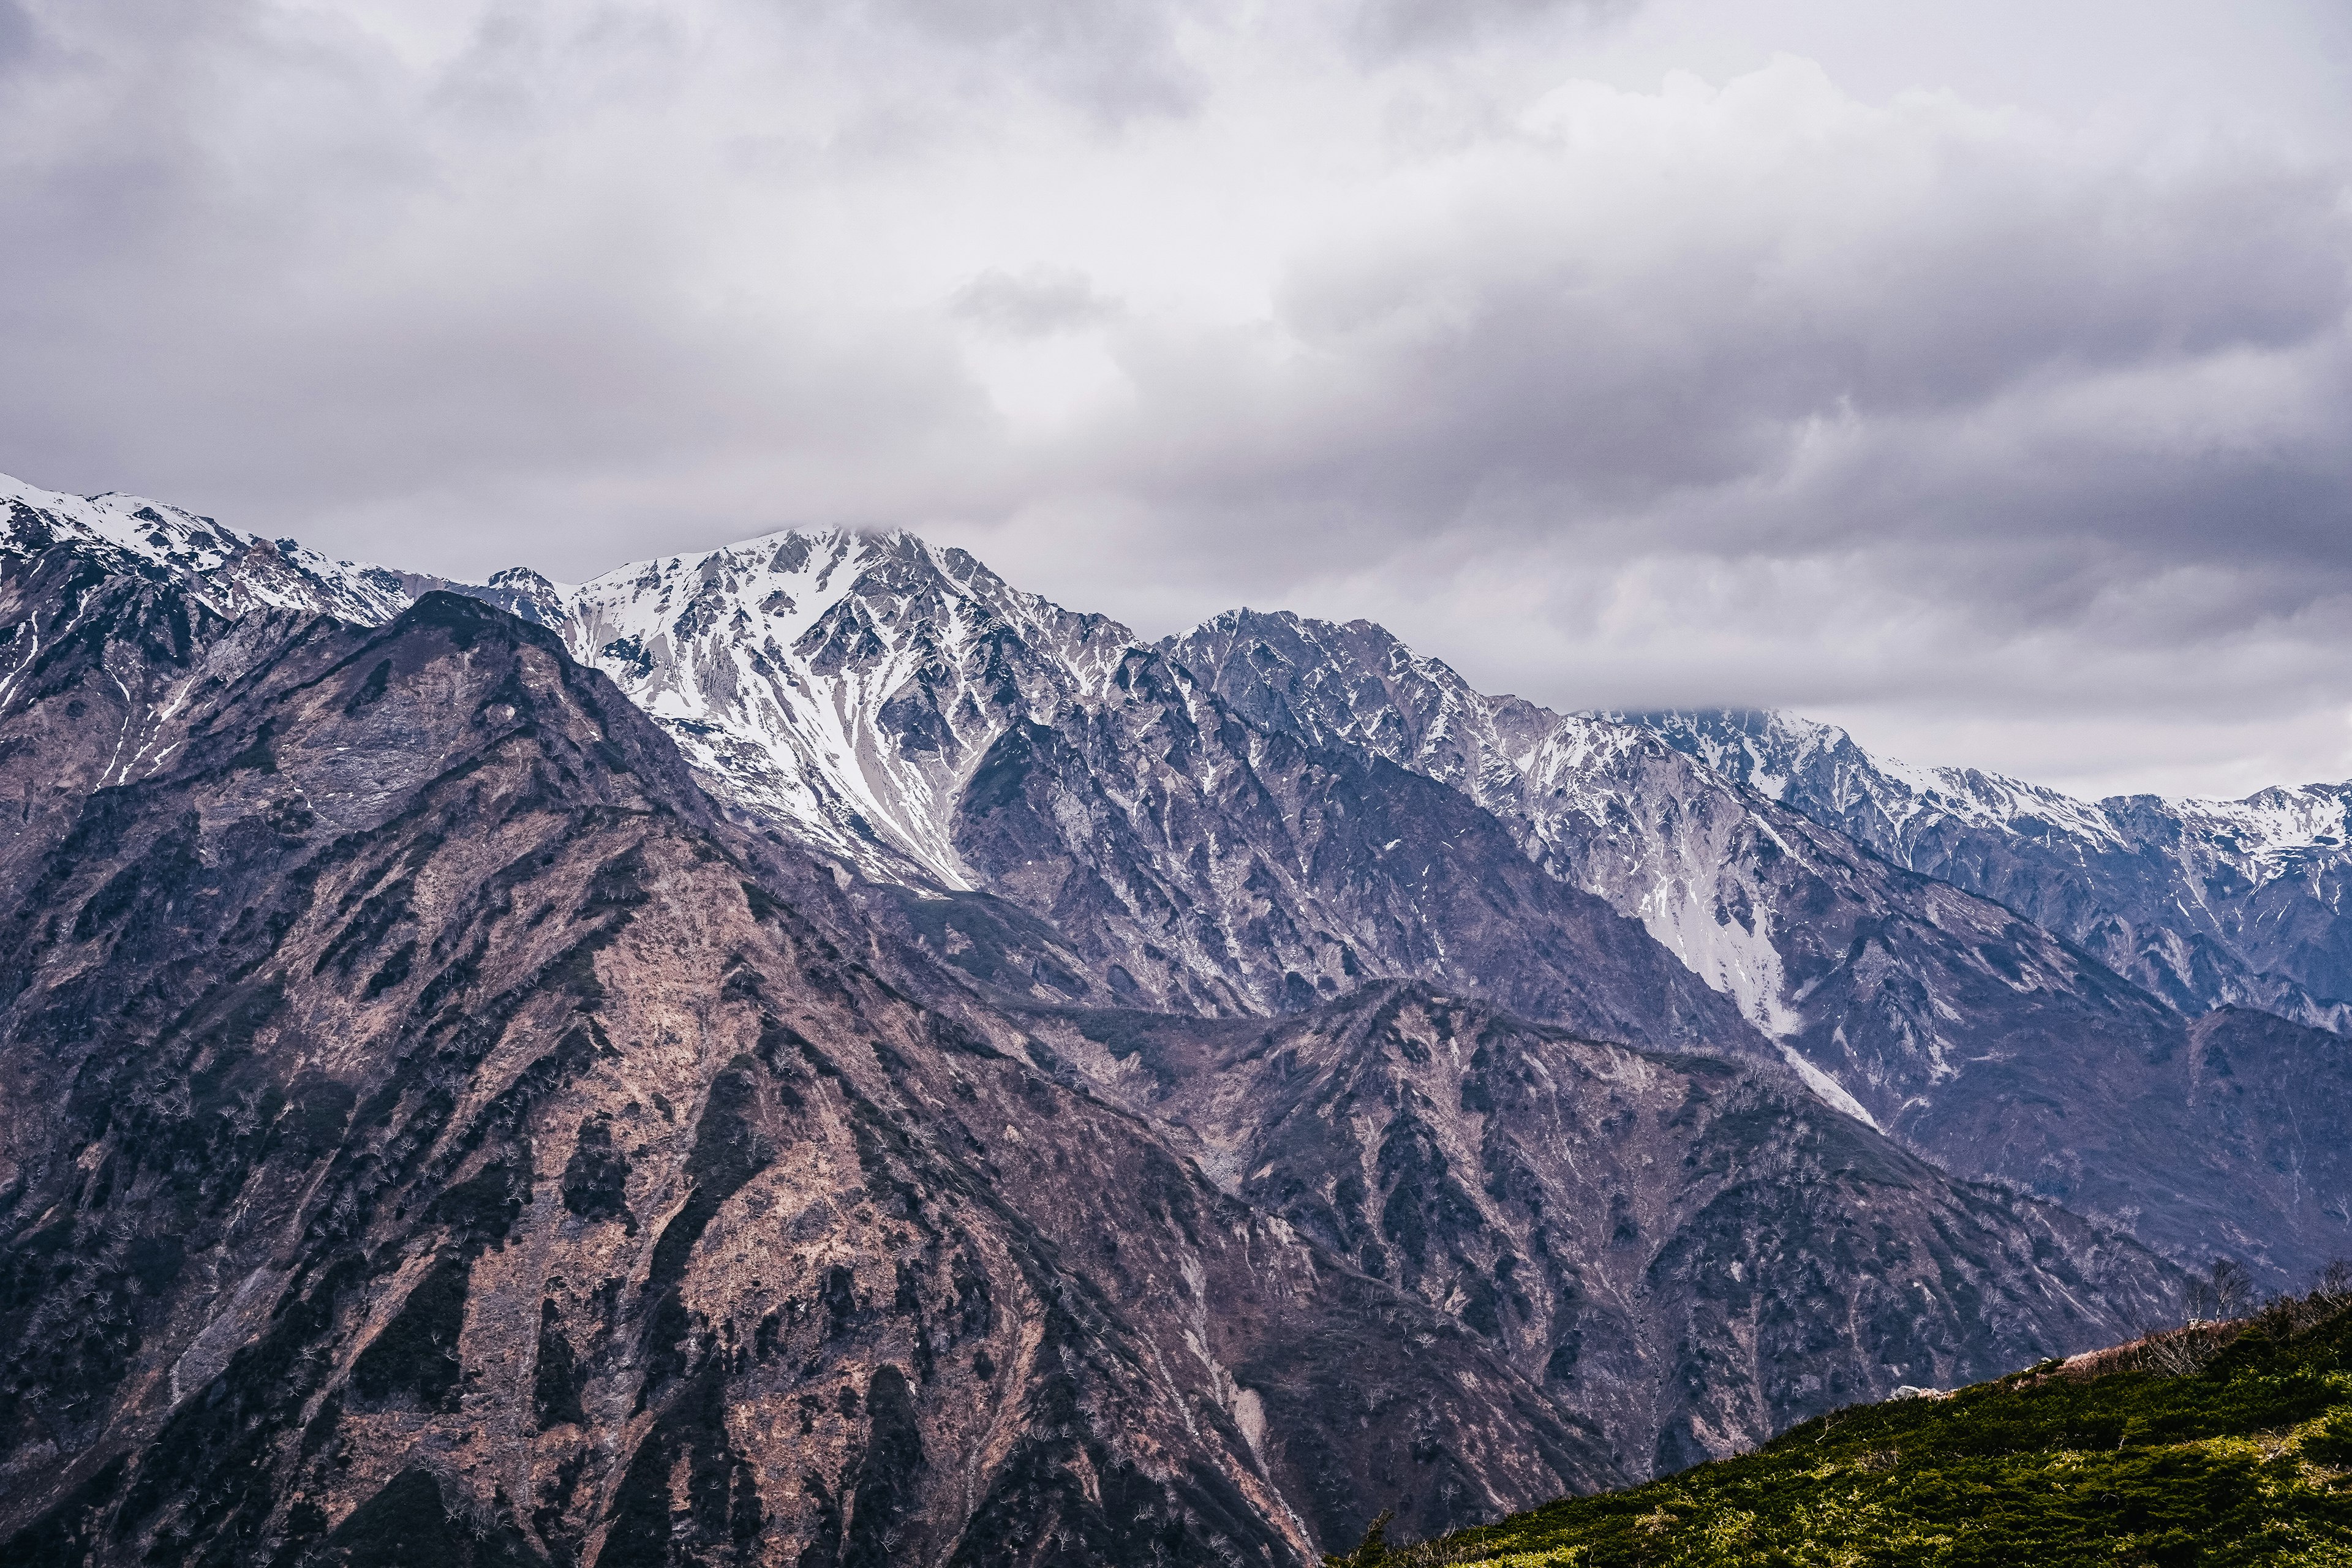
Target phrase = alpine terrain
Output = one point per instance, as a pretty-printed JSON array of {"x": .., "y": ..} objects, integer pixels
[{"x": 805, "y": 1053}]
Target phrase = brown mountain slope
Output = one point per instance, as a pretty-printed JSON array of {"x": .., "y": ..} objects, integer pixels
[
  {"x": 433, "y": 1123},
  {"x": 1696, "y": 1254},
  {"x": 437, "y": 1133}
]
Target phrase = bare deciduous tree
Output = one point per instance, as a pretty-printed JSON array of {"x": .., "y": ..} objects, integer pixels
[{"x": 2223, "y": 1295}]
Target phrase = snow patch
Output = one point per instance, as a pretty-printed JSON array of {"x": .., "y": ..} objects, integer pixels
[{"x": 1828, "y": 1089}]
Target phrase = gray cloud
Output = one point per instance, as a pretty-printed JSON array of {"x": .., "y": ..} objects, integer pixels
[
  {"x": 1036, "y": 302},
  {"x": 1117, "y": 59},
  {"x": 1385, "y": 30},
  {"x": 2009, "y": 419}
]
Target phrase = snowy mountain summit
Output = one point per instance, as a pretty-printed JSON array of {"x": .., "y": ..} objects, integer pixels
[
  {"x": 2205, "y": 902},
  {"x": 841, "y": 683},
  {"x": 232, "y": 571},
  {"x": 848, "y": 689}
]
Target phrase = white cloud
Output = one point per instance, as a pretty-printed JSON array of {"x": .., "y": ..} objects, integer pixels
[{"x": 1767, "y": 352}]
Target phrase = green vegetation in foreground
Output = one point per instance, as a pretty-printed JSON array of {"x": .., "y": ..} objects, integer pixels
[{"x": 2247, "y": 1458}]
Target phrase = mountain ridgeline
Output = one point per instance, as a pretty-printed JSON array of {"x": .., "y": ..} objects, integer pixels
[
  {"x": 807, "y": 1053},
  {"x": 2206, "y": 903}
]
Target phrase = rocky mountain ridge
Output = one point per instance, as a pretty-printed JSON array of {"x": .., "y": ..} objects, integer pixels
[
  {"x": 455, "y": 1133},
  {"x": 1671, "y": 1243},
  {"x": 2206, "y": 903},
  {"x": 863, "y": 738},
  {"x": 1977, "y": 1037},
  {"x": 228, "y": 570},
  {"x": 1267, "y": 811}
]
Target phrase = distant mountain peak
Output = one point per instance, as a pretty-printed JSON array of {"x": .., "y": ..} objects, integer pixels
[
  {"x": 230, "y": 571},
  {"x": 2203, "y": 903},
  {"x": 833, "y": 677},
  {"x": 1271, "y": 808}
]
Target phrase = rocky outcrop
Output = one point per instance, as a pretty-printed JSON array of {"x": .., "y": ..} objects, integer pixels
[{"x": 1205, "y": 865}]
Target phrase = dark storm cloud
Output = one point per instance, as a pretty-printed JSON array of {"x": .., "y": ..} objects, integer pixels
[
  {"x": 1547, "y": 333},
  {"x": 1742, "y": 386}
]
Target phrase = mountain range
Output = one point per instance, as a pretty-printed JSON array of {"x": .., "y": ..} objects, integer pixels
[{"x": 806, "y": 1053}]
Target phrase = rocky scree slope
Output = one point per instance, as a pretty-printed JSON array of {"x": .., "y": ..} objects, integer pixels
[
  {"x": 2206, "y": 903},
  {"x": 437, "y": 1124}
]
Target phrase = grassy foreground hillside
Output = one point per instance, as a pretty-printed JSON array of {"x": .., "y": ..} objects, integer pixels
[{"x": 2224, "y": 1443}]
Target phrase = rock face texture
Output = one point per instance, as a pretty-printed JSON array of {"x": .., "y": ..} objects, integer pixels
[
  {"x": 1165, "y": 841},
  {"x": 846, "y": 685},
  {"x": 805, "y": 1054},
  {"x": 1680, "y": 1247},
  {"x": 438, "y": 1111},
  {"x": 228, "y": 570},
  {"x": 2206, "y": 903},
  {"x": 441, "y": 1130},
  {"x": 1267, "y": 811},
  {"x": 1131, "y": 841},
  {"x": 1972, "y": 1035}
]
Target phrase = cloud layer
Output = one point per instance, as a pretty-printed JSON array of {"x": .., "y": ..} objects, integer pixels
[{"x": 1984, "y": 385}]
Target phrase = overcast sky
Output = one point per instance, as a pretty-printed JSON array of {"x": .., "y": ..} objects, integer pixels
[{"x": 1978, "y": 375}]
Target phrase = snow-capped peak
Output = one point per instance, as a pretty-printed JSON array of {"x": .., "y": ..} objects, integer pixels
[
  {"x": 2204, "y": 903},
  {"x": 2272, "y": 833},
  {"x": 845, "y": 683},
  {"x": 1821, "y": 769},
  {"x": 232, "y": 571}
]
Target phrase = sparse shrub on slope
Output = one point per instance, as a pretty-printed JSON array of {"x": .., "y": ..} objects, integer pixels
[{"x": 2108, "y": 1458}]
